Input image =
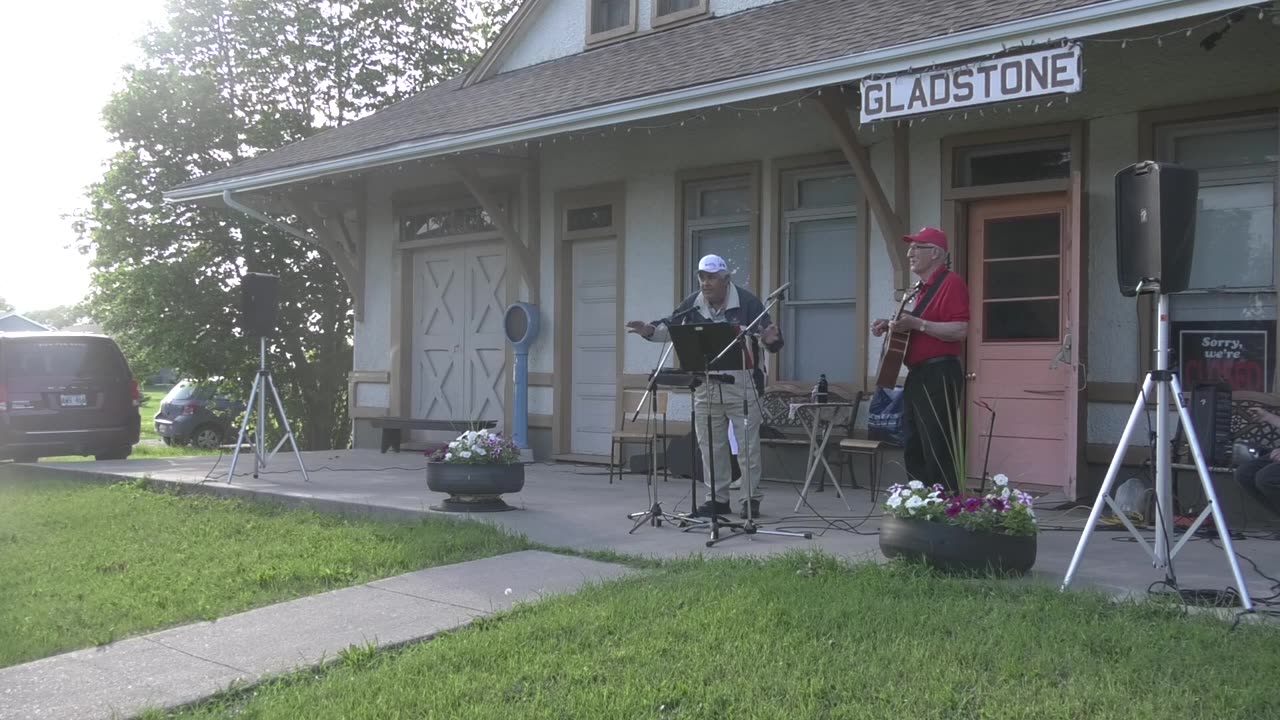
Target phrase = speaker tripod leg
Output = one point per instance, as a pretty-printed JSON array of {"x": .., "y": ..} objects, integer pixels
[
  {"x": 244, "y": 426},
  {"x": 288, "y": 431}
]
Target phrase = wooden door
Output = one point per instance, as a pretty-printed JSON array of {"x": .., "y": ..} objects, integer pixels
[
  {"x": 484, "y": 343},
  {"x": 1024, "y": 276},
  {"x": 593, "y": 410},
  {"x": 438, "y": 330}
]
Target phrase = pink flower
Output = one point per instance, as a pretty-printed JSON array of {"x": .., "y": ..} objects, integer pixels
[{"x": 973, "y": 504}]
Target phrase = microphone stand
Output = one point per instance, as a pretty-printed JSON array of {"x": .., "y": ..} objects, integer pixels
[{"x": 749, "y": 528}]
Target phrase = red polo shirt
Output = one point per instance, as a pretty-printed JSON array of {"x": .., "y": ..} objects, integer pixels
[{"x": 949, "y": 304}]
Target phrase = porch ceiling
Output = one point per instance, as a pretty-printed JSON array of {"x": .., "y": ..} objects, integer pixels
[{"x": 776, "y": 48}]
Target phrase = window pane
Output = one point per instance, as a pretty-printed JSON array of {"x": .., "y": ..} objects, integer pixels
[
  {"x": 821, "y": 259},
  {"x": 724, "y": 201},
  {"x": 588, "y": 218},
  {"x": 1021, "y": 236},
  {"x": 732, "y": 244},
  {"x": 1233, "y": 240},
  {"x": 1227, "y": 149},
  {"x": 1020, "y": 320},
  {"x": 1021, "y": 278},
  {"x": 827, "y": 192},
  {"x": 609, "y": 14},
  {"x": 820, "y": 339},
  {"x": 457, "y": 221},
  {"x": 666, "y": 7},
  {"x": 988, "y": 166}
]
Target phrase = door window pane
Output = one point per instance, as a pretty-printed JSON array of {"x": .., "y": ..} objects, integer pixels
[
  {"x": 1021, "y": 237},
  {"x": 1020, "y": 320},
  {"x": 1021, "y": 279},
  {"x": 1227, "y": 149},
  {"x": 1013, "y": 162},
  {"x": 822, "y": 267},
  {"x": 589, "y": 218}
]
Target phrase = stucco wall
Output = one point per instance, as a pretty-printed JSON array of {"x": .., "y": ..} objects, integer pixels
[{"x": 560, "y": 29}]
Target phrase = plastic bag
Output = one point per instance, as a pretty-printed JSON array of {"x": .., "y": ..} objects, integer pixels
[{"x": 884, "y": 417}]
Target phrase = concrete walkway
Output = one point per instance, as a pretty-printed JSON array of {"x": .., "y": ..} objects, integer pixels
[{"x": 179, "y": 666}]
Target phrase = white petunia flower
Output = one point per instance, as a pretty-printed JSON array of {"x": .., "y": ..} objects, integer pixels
[
  {"x": 466, "y": 454},
  {"x": 915, "y": 485},
  {"x": 448, "y": 456},
  {"x": 1001, "y": 479},
  {"x": 1005, "y": 493},
  {"x": 481, "y": 451},
  {"x": 905, "y": 493},
  {"x": 895, "y": 501},
  {"x": 914, "y": 502}
]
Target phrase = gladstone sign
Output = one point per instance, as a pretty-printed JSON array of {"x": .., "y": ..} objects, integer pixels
[{"x": 1044, "y": 72}]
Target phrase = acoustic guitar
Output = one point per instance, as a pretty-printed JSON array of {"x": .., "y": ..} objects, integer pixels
[{"x": 894, "y": 350}]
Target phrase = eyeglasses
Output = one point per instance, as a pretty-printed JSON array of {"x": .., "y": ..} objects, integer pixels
[{"x": 912, "y": 248}]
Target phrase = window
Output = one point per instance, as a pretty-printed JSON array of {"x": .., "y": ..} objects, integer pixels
[
  {"x": 719, "y": 217},
  {"x": 821, "y": 258},
  {"x": 671, "y": 11},
  {"x": 1013, "y": 162},
  {"x": 1233, "y": 271},
  {"x": 608, "y": 19}
]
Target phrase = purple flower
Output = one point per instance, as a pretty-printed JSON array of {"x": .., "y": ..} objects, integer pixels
[
  {"x": 998, "y": 504},
  {"x": 953, "y": 508},
  {"x": 973, "y": 504}
]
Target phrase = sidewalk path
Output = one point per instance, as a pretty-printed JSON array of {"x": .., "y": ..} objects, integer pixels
[{"x": 181, "y": 665}]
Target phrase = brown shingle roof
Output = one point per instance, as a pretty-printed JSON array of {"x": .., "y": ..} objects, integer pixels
[{"x": 780, "y": 35}]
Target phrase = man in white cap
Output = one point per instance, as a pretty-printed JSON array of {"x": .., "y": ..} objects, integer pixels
[{"x": 721, "y": 301}]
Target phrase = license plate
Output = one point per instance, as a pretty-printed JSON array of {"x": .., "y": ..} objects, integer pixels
[{"x": 74, "y": 401}]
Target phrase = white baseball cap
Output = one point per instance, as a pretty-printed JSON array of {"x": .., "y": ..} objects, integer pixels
[{"x": 712, "y": 264}]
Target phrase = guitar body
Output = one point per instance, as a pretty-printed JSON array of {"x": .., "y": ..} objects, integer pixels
[{"x": 894, "y": 351}]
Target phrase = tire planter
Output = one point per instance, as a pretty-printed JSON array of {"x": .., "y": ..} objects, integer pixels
[
  {"x": 474, "y": 488},
  {"x": 954, "y": 549}
]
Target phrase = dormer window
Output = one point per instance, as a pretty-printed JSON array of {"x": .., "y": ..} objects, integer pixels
[
  {"x": 608, "y": 19},
  {"x": 666, "y": 12}
]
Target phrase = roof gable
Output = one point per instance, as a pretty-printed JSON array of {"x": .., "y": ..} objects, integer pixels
[{"x": 13, "y": 322}]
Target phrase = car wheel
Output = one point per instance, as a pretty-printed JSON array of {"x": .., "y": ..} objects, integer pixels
[
  {"x": 114, "y": 454},
  {"x": 206, "y": 437}
]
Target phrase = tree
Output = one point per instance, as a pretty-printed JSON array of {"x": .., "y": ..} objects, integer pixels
[
  {"x": 4, "y": 306},
  {"x": 222, "y": 81},
  {"x": 60, "y": 317}
]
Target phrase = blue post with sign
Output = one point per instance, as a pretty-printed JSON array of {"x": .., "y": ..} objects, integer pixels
[{"x": 520, "y": 323}]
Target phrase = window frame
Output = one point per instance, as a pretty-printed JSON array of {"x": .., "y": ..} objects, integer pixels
[
  {"x": 604, "y": 36},
  {"x": 706, "y": 179},
  {"x": 656, "y": 20}
]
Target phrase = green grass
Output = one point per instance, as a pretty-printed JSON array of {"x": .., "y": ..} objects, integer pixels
[
  {"x": 82, "y": 565},
  {"x": 799, "y": 637}
]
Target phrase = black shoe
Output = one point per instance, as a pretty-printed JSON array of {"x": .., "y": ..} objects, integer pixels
[
  {"x": 755, "y": 510},
  {"x": 710, "y": 507}
]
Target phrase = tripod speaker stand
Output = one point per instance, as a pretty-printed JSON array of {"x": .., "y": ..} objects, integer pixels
[
  {"x": 1165, "y": 382},
  {"x": 258, "y": 305}
]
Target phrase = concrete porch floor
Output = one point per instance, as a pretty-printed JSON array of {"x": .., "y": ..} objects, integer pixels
[{"x": 575, "y": 506}]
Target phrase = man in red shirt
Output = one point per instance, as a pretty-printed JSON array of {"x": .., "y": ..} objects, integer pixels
[{"x": 939, "y": 323}]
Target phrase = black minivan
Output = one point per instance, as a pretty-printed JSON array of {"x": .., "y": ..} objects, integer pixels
[{"x": 66, "y": 394}]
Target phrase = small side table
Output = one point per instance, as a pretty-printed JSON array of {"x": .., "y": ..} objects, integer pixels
[{"x": 819, "y": 419}]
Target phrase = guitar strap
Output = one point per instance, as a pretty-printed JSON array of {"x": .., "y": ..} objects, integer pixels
[{"x": 928, "y": 296}]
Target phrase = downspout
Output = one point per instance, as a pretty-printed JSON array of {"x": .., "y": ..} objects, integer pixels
[{"x": 286, "y": 227}]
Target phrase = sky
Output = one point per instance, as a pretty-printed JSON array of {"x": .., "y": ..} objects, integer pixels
[{"x": 59, "y": 64}]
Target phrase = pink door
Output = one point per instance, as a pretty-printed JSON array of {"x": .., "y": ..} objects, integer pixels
[{"x": 1023, "y": 275}]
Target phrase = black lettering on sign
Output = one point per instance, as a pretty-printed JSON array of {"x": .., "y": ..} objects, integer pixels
[
  {"x": 940, "y": 95},
  {"x": 888, "y": 94},
  {"x": 873, "y": 98},
  {"x": 1037, "y": 73},
  {"x": 1061, "y": 69},
  {"x": 988, "y": 90},
  {"x": 1011, "y": 78},
  {"x": 963, "y": 85},
  {"x": 917, "y": 95}
]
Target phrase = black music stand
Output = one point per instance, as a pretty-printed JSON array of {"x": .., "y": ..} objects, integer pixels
[{"x": 660, "y": 377}]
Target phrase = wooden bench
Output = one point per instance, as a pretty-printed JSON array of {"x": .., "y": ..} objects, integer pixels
[{"x": 392, "y": 427}]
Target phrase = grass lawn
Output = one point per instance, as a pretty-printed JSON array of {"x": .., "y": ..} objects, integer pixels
[
  {"x": 82, "y": 565},
  {"x": 799, "y": 637}
]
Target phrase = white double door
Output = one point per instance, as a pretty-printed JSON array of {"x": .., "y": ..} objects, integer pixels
[{"x": 459, "y": 349}]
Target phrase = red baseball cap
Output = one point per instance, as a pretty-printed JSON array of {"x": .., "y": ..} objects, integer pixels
[{"x": 929, "y": 236}]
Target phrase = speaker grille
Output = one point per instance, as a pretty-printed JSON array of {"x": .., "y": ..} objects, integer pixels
[{"x": 259, "y": 301}]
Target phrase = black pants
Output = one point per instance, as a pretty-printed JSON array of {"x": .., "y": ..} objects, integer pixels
[
  {"x": 1261, "y": 480},
  {"x": 933, "y": 417}
]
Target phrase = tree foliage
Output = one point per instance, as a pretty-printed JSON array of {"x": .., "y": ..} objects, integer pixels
[
  {"x": 60, "y": 317},
  {"x": 222, "y": 81},
  {"x": 4, "y": 306}
]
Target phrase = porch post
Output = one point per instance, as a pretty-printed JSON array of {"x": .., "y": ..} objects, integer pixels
[{"x": 891, "y": 226}]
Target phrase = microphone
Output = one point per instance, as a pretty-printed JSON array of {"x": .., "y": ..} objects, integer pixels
[
  {"x": 778, "y": 292},
  {"x": 676, "y": 316}
]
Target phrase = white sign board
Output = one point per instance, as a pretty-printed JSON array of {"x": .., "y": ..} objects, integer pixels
[{"x": 1045, "y": 72}]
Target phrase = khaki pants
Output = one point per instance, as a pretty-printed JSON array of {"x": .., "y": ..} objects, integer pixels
[{"x": 723, "y": 404}]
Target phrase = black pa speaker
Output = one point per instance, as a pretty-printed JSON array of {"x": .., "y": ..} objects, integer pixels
[
  {"x": 1211, "y": 419},
  {"x": 1155, "y": 226},
  {"x": 259, "y": 302}
]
